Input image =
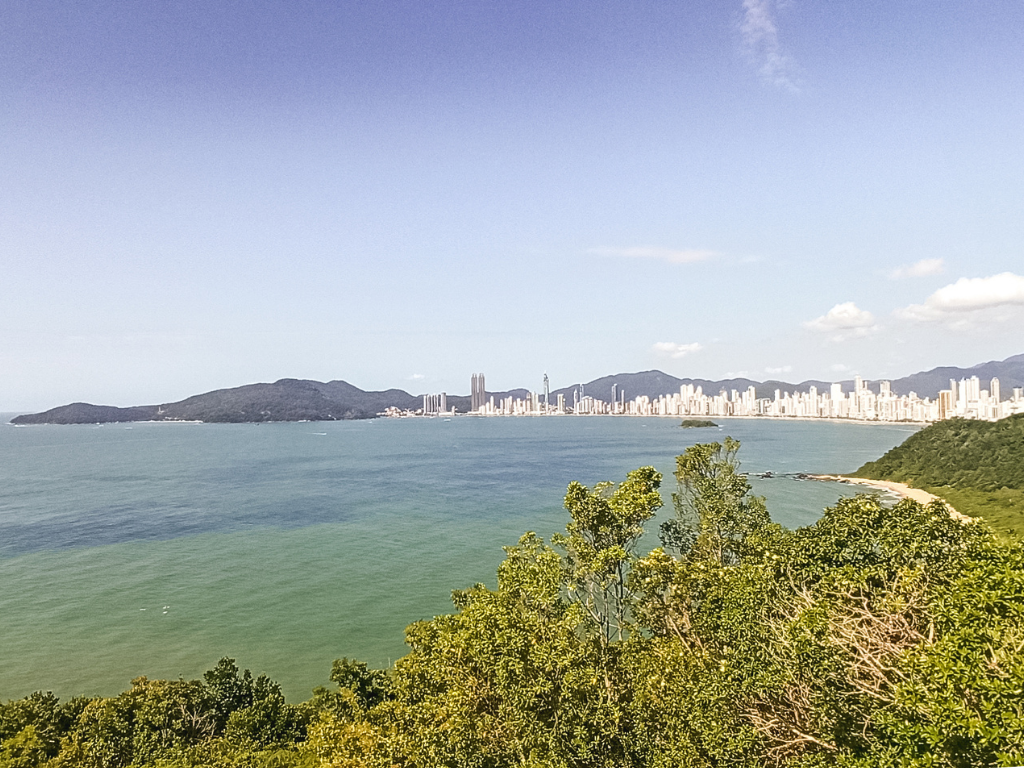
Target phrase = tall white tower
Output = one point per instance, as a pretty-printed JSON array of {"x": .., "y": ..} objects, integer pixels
[{"x": 478, "y": 392}]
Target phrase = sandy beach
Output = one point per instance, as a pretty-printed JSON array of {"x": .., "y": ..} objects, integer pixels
[{"x": 901, "y": 489}]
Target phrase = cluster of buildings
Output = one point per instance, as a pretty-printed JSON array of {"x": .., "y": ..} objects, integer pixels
[{"x": 964, "y": 399}]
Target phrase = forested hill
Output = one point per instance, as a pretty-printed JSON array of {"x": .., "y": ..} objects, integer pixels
[
  {"x": 986, "y": 455},
  {"x": 978, "y": 466},
  {"x": 283, "y": 400}
]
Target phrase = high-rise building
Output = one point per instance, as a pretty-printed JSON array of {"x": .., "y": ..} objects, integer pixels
[
  {"x": 435, "y": 404},
  {"x": 973, "y": 389},
  {"x": 478, "y": 392},
  {"x": 947, "y": 404},
  {"x": 546, "y": 393}
]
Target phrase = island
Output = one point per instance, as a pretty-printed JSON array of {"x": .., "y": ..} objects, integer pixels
[{"x": 697, "y": 423}]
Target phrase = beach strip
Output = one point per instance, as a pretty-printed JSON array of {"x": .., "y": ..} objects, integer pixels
[{"x": 901, "y": 489}]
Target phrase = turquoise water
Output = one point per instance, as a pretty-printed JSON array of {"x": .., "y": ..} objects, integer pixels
[{"x": 156, "y": 549}]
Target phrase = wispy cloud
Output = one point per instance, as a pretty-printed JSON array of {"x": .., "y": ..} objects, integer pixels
[
  {"x": 839, "y": 368},
  {"x": 844, "y": 321},
  {"x": 671, "y": 255},
  {"x": 672, "y": 349},
  {"x": 417, "y": 377},
  {"x": 921, "y": 268},
  {"x": 966, "y": 297},
  {"x": 780, "y": 369},
  {"x": 761, "y": 43}
]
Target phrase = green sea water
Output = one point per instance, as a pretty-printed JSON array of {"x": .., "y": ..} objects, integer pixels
[{"x": 156, "y": 549}]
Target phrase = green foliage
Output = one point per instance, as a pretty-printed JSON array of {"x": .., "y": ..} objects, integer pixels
[
  {"x": 600, "y": 544},
  {"x": 25, "y": 749},
  {"x": 225, "y": 719},
  {"x": 875, "y": 637},
  {"x": 514, "y": 677},
  {"x": 1003, "y": 509},
  {"x": 47, "y": 718},
  {"x": 962, "y": 453},
  {"x": 714, "y": 511},
  {"x": 369, "y": 686},
  {"x": 975, "y": 465}
]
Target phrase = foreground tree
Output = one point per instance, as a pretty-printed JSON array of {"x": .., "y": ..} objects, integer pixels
[{"x": 600, "y": 546}]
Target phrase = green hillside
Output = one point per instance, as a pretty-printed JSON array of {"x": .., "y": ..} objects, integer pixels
[{"x": 977, "y": 466}]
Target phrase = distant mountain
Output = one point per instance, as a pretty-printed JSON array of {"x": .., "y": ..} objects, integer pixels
[
  {"x": 1010, "y": 373},
  {"x": 284, "y": 400},
  {"x": 656, "y": 383},
  {"x": 298, "y": 399}
]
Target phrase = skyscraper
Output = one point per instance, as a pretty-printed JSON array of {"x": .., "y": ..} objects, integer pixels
[
  {"x": 546, "y": 393},
  {"x": 478, "y": 393}
]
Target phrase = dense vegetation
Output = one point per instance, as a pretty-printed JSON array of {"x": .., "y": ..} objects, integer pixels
[
  {"x": 697, "y": 423},
  {"x": 875, "y": 637},
  {"x": 978, "y": 466}
]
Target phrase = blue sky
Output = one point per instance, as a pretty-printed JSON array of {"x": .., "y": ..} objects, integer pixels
[{"x": 198, "y": 195}]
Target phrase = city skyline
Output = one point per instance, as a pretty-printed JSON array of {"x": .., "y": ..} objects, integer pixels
[
  {"x": 198, "y": 196},
  {"x": 963, "y": 399}
]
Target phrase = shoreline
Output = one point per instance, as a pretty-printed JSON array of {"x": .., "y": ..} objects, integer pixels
[{"x": 902, "y": 490}]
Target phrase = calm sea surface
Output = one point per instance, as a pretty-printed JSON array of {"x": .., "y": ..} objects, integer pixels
[{"x": 156, "y": 549}]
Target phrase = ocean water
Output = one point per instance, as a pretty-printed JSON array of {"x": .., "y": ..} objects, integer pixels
[{"x": 156, "y": 549}]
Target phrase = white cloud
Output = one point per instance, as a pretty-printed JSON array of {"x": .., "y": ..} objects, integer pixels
[
  {"x": 673, "y": 256},
  {"x": 966, "y": 296},
  {"x": 921, "y": 268},
  {"x": 761, "y": 42},
  {"x": 417, "y": 377},
  {"x": 840, "y": 368},
  {"x": 780, "y": 369},
  {"x": 671, "y": 349},
  {"x": 844, "y": 321}
]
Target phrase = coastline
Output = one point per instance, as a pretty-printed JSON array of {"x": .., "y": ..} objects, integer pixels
[{"x": 902, "y": 490}]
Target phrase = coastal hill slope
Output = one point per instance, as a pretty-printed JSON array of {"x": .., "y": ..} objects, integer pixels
[{"x": 978, "y": 466}]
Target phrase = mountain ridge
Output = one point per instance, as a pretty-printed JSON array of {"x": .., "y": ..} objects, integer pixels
[{"x": 304, "y": 399}]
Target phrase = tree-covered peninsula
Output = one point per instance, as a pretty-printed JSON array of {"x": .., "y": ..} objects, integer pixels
[
  {"x": 283, "y": 400},
  {"x": 978, "y": 466},
  {"x": 874, "y": 637}
]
